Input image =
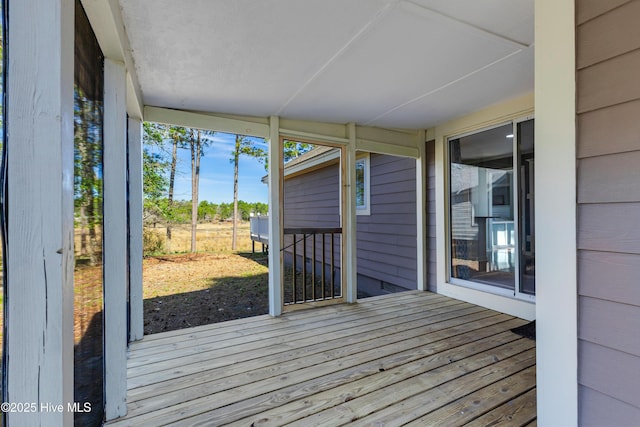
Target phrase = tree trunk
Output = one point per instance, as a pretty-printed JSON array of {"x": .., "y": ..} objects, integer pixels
[
  {"x": 172, "y": 179},
  {"x": 236, "y": 156},
  {"x": 196, "y": 149}
]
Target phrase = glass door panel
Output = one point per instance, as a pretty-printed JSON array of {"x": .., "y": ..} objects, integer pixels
[
  {"x": 482, "y": 208},
  {"x": 527, "y": 207}
]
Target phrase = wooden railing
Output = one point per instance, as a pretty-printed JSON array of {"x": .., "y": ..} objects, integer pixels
[{"x": 316, "y": 281}]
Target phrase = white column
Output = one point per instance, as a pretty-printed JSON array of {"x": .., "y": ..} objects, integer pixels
[
  {"x": 136, "y": 325},
  {"x": 349, "y": 231},
  {"x": 275, "y": 217},
  {"x": 39, "y": 317},
  {"x": 555, "y": 183},
  {"x": 115, "y": 239},
  {"x": 421, "y": 213}
]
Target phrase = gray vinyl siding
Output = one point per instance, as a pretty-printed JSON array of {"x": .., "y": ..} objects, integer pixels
[
  {"x": 386, "y": 239},
  {"x": 608, "y": 175},
  {"x": 431, "y": 217}
]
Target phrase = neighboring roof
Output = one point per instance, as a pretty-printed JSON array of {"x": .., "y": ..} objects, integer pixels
[
  {"x": 387, "y": 63},
  {"x": 311, "y": 160}
]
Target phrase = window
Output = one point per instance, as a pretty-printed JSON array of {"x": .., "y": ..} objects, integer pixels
[
  {"x": 491, "y": 235},
  {"x": 362, "y": 185}
]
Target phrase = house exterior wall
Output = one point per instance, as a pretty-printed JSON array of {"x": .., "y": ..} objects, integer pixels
[
  {"x": 386, "y": 239},
  {"x": 432, "y": 259},
  {"x": 608, "y": 178}
]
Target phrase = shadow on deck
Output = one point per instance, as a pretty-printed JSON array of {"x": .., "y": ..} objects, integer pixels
[{"x": 413, "y": 358}]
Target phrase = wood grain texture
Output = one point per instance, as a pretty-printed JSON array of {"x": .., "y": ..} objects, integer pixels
[
  {"x": 115, "y": 240},
  {"x": 40, "y": 170},
  {"x": 609, "y": 227},
  {"x": 609, "y": 179},
  {"x": 609, "y": 83},
  {"x": 609, "y": 276},
  {"x": 610, "y": 372},
  {"x": 398, "y": 348},
  {"x": 610, "y": 324},
  {"x": 608, "y": 35},
  {"x": 609, "y": 130}
]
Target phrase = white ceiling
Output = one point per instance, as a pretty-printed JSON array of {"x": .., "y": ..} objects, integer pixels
[{"x": 393, "y": 63}]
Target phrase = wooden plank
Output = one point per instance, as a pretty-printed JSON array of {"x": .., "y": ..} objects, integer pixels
[
  {"x": 611, "y": 34},
  {"x": 610, "y": 179},
  {"x": 39, "y": 202},
  {"x": 471, "y": 406},
  {"x": 617, "y": 125},
  {"x": 465, "y": 379},
  {"x": 302, "y": 384},
  {"x": 608, "y": 83},
  {"x": 610, "y": 372},
  {"x": 115, "y": 240},
  {"x": 589, "y": 9},
  {"x": 519, "y": 411},
  {"x": 610, "y": 324},
  {"x": 211, "y": 356},
  {"x": 135, "y": 206},
  {"x": 262, "y": 338},
  {"x": 609, "y": 227},
  {"x": 298, "y": 409},
  {"x": 222, "y": 330},
  {"x": 291, "y": 371}
]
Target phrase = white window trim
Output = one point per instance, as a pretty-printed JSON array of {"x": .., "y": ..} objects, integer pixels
[{"x": 366, "y": 160}]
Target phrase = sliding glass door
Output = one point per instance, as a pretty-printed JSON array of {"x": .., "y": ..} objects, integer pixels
[{"x": 491, "y": 208}]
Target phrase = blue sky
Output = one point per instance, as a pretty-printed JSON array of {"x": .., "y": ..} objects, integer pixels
[{"x": 216, "y": 173}]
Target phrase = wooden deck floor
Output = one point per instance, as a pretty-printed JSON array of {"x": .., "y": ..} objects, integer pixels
[{"x": 414, "y": 358}]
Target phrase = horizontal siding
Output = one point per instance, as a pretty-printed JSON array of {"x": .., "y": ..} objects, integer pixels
[
  {"x": 617, "y": 125},
  {"x": 600, "y": 320},
  {"x": 610, "y": 276},
  {"x": 608, "y": 153},
  {"x": 609, "y": 83},
  {"x": 313, "y": 199},
  {"x": 589, "y": 9},
  {"x": 611, "y": 227},
  {"x": 604, "y": 411},
  {"x": 611, "y": 372},
  {"x": 431, "y": 217},
  {"x": 387, "y": 237},
  {"x": 609, "y": 179},
  {"x": 614, "y": 34}
]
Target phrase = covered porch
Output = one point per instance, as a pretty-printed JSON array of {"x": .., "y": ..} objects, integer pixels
[{"x": 414, "y": 358}]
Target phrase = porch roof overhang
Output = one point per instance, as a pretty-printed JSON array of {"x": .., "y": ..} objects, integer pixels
[{"x": 387, "y": 63}]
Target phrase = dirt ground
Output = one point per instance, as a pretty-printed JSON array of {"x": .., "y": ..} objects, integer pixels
[{"x": 185, "y": 290}]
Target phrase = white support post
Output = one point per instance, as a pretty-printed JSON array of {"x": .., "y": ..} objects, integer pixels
[
  {"x": 39, "y": 317},
  {"x": 115, "y": 239},
  {"x": 275, "y": 217},
  {"x": 136, "y": 322},
  {"x": 349, "y": 232},
  {"x": 421, "y": 213},
  {"x": 556, "y": 242}
]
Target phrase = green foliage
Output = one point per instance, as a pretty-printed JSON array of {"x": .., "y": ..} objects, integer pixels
[
  {"x": 154, "y": 180},
  {"x": 152, "y": 242}
]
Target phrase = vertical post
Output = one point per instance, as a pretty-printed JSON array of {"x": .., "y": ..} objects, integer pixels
[
  {"x": 275, "y": 217},
  {"x": 421, "y": 213},
  {"x": 39, "y": 203},
  {"x": 115, "y": 240},
  {"x": 555, "y": 216},
  {"x": 349, "y": 252},
  {"x": 136, "y": 322}
]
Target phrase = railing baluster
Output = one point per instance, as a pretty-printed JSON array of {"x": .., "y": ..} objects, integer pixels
[
  {"x": 304, "y": 267},
  {"x": 323, "y": 265},
  {"x": 293, "y": 295},
  {"x": 313, "y": 269},
  {"x": 333, "y": 286}
]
